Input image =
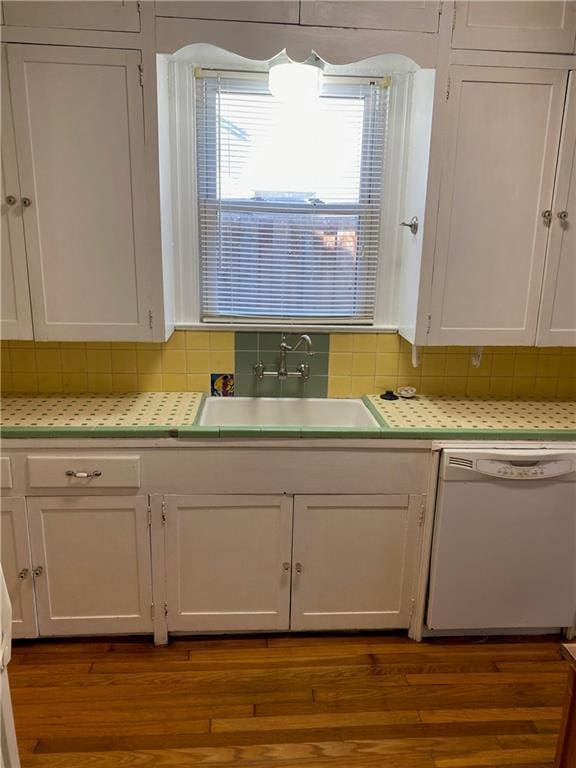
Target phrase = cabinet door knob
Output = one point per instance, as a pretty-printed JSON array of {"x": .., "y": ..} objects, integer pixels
[
  {"x": 23, "y": 574},
  {"x": 26, "y": 202},
  {"x": 285, "y": 566},
  {"x": 38, "y": 571},
  {"x": 298, "y": 567},
  {"x": 563, "y": 215},
  {"x": 10, "y": 200},
  {"x": 547, "y": 216}
]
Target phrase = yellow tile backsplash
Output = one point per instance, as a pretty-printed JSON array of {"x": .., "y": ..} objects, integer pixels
[{"x": 359, "y": 363}]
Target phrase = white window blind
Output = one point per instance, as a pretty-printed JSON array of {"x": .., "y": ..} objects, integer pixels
[{"x": 289, "y": 200}]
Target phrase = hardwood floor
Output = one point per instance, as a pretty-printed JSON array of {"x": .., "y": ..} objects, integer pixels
[{"x": 378, "y": 701}]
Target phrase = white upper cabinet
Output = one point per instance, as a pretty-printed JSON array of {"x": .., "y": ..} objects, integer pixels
[
  {"x": 277, "y": 11},
  {"x": 407, "y": 16},
  {"x": 17, "y": 566},
  {"x": 91, "y": 559},
  {"x": 354, "y": 561},
  {"x": 15, "y": 313},
  {"x": 110, "y": 15},
  {"x": 228, "y": 562},
  {"x": 497, "y": 182},
  {"x": 557, "y": 324},
  {"x": 517, "y": 25},
  {"x": 78, "y": 117}
]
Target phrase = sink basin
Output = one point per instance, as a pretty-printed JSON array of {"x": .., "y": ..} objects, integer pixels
[{"x": 285, "y": 412}]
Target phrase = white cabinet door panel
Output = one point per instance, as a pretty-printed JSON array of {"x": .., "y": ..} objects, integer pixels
[
  {"x": 15, "y": 312},
  {"x": 113, "y": 15},
  {"x": 17, "y": 566},
  {"x": 228, "y": 562},
  {"x": 516, "y": 25},
  {"x": 498, "y": 176},
  {"x": 417, "y": 16},
  {"x": 80, "y": 143},
  {"x": 277, "y": 11},
  {"x": 557, "y": 323},
  {"x": 354, "y": 561},
  {"x": 94, "y": 553}
]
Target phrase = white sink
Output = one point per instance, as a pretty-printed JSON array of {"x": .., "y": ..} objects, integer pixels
[{"x": 285, "y": 412}]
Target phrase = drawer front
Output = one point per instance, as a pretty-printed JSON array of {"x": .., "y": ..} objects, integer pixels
[
  {"x": 84, "y": 472},
  {"x": 5, "y": 472}
]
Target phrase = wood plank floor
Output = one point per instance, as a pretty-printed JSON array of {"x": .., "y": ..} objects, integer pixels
[{"x": 379, "y": 701}]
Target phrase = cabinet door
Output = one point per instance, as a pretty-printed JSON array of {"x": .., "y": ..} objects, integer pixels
[
  {"x": 354, "y": 561},
  {"x": 113, "y": 15},
  {"x": 15, "y": 314},
  {"x": 17, "y": 566},
  {"x": 228, "y": 562},
  {"x": 92, "y": 568},
  {"x": 407, "y": 16},
  {"x": 498, "y": 176},
  {"x": 527, "y": 25},
  {"x": 557, "y": 323},
  {"x": 80, "y": 144},
  {"x": 277, "y": 11}
]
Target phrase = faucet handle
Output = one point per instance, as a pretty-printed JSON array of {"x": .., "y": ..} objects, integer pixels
[{"x": 259, "y": 369}]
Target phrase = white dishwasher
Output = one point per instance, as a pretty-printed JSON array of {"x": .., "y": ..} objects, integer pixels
[{"x": 504, "y": 544}]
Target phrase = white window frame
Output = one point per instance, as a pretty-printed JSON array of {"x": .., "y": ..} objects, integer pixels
[{"x": 180, "y": 87}]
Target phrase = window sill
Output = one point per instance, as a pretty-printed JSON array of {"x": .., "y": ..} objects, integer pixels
[{"x": 263, "y": 327}]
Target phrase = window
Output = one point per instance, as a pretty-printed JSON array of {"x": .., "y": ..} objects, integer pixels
[{"x": 289, "y": 200}]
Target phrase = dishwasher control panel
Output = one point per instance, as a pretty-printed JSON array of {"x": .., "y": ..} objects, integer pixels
[
  {"x": 525, "y": 470},
  {"x": 507, "y": 464}
]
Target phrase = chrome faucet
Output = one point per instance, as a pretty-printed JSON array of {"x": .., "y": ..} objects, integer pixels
[{"x": 303, "y": 370}]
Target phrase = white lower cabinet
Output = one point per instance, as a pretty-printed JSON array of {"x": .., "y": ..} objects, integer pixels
[
  {"x": 354, "y": 561},
  {"x": 17, "y": 566},
  {"x": 92, "y": 568},
  {"x": 228, "y": 562},
  {"x": 325, "y": 562}
]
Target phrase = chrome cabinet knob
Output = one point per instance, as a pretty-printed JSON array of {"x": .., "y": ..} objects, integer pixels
[
  {"x": 563, "y": 215},
  {"x": 412, "y": 225},
  {"x": 38, "y": 571},
  {"x": 23, "y": 574},
  {"x": 10, "y": 200},
  {"x": 26, "y": 202},
  {"x": 547, "y": 216}
]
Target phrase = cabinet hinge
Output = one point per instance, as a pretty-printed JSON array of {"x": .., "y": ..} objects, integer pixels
[
  {"x": 165, "y": 609},
  {"x": 149, "y": 510},
  {"x": 163, "y": 513},
  {"x": 422, "y": 514},
  {"x": 454, "y": 17},
  {"x": 428, "y": 324},
  {"x": 448, "y": 84},
  {"x": 139, "y": 6},
  {"x": 150, "y": 319},
  {"x": 152, "y": 611},
  {"x": 141, "y": 74}
]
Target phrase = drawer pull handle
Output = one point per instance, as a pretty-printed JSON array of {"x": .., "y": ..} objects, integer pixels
[
  {"x": 83, "y": 475},
  {"x": 23, "y": 574}
]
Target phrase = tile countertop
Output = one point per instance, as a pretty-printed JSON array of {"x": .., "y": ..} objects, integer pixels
[{"x": 174, "y": 414}]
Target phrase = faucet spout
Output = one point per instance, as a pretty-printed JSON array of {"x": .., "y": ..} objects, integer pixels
[{"x": 307, "y": 341}]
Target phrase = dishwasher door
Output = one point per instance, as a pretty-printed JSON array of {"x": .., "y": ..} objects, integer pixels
[{"x": 504, "y": 545}]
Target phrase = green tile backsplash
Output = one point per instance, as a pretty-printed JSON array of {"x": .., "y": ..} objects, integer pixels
[{"x": 252, "y": 348}]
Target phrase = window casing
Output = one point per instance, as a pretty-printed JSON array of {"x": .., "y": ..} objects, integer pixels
[{"x": 289, "y": 201}]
